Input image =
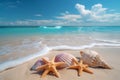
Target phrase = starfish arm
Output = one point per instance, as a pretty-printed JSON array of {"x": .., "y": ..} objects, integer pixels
[
  {"x": 41, "y": 67},
  {"x": 53, "y": 59},
  {"x": 45, "y": 73},
  {"x": 80, "y": 70},
  {"x": 75, "y": 61},
  {"x": 85, "y": 66},
  {"x": 55, "y": 71},
  {"x": 87, "y": 70},
  {"x": 73, "y": 67},
  {"x": 59, "y": 63},
  {"x": 81, "y": 62},
  {"x": 45, "y": 60}
]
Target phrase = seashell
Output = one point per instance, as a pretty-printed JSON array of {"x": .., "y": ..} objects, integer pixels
[
  {"x": 38, "y": 63},
  {"x": 64, "y": 57},
  {"x": 93, "y": 59}
]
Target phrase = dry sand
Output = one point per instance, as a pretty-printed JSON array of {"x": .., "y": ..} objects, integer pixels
[{"x": 111, "y": 56}]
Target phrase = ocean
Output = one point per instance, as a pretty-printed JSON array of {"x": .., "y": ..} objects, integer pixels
[{"x": 19, "y": 44}]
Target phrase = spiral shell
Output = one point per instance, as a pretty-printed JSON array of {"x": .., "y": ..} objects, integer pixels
[
  {"x": 93, "y": 59},
  {"x": 64, "y": 57},
  {"x": 38, "y": 63}
]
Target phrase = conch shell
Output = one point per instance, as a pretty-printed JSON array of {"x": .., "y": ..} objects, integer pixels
[
  {"x": 93, "y": 59},
  {"x": 64, "y": 57}
]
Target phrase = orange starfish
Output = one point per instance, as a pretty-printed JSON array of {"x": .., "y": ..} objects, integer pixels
[
  {"x": 80, "y": 67},
  {"x": 50, "y": 66}
]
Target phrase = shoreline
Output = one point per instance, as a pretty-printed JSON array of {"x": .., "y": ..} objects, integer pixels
[
  {"x": 12, "y": 63},
  {"x": 45, "y": 50},
  {"x": 109, "y": 54}
]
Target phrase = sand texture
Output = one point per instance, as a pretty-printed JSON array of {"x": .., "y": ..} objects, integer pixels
[{"x": 110, "y": 55}]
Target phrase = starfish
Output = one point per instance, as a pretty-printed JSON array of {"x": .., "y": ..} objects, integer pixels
[
  {"x": 50, "y": 66},
  {"x": 80, "y": 67}
]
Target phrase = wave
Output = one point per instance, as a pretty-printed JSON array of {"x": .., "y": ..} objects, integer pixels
[
  {"x": 107, "y": 41},
  {"x": 63, "y": 47},
  {"x": 55, "y": 27},
  {"x": 46, "y": 49},
  {"x": 58, "y": 27},
  {"x": 7, "y": 49},
  {"x": 13, "y": 63}
]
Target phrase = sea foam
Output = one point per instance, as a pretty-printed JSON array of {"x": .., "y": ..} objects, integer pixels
[
  {"x": 55, "y": 27},
  {"x": 63, "y": 47},
  {"x": 13, "y": 63}
]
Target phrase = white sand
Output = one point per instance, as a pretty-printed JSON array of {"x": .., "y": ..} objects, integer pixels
[{"x": 111, "y": 56}]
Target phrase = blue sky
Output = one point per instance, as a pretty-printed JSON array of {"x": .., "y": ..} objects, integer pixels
[{"x": 60, "y": 12}]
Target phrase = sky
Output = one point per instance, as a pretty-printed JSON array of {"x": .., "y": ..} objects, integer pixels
[{"x": 60, "y": 12}]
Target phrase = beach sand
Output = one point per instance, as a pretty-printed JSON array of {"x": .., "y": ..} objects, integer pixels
[{"x": 111, "y": 56}]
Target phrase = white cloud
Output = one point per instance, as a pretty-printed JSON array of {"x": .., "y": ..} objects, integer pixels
[
  {"x": 97, "y": 9},
  {"x": 41, "y": 22},
  {"x": 97, "y": 14},
  {"x": 33, "y": 22},
  {"x": 39, "y": 15},
  {"x": 69, "y": 17},
  {"x": 82, "y": 10}
]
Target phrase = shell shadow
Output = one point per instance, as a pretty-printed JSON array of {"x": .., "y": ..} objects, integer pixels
[
  {"x": 78, "y": 58},
  {"x": 37, "y": 72}
]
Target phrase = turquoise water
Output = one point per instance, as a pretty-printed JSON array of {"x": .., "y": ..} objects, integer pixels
[
  {"x": 57, "y": 30},
  {"x": 99, "y": 32},
  {"x": 36, "y": 30},
  {"x": 23, "y": 43}
]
